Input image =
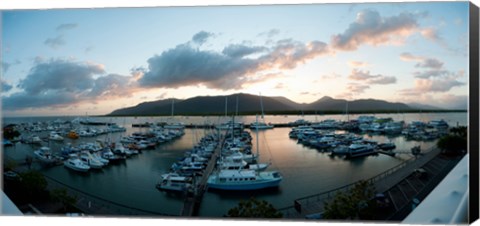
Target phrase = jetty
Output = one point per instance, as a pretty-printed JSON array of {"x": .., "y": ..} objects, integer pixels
[{"x": 193, "y": 199}]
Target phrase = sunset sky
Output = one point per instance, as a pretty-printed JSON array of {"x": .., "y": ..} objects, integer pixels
[{"x": 78, "y": 61}]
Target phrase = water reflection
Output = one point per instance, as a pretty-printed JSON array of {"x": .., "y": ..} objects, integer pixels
[{"x": 306, "y": 171}]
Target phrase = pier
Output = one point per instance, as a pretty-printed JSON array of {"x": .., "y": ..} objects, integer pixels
[{"x": 193, "y": 199}]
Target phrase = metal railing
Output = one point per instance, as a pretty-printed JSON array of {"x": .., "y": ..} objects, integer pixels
[{"x": 300, "y": 203}]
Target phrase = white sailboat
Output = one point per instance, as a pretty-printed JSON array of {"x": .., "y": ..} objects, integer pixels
[
  {"x": 173, "y": 124},
  {"x": 260, "y": 125},
  {"x": 258, "y": 166}
]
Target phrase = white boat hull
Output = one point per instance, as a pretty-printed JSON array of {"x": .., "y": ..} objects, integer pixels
[{"x": 262, "y": 180}]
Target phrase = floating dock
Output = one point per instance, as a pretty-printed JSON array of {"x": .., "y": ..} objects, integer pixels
[{"x": 193, "y": 200}]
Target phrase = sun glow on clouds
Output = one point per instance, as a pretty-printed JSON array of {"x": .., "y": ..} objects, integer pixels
[{"x": 349, "y": 62}]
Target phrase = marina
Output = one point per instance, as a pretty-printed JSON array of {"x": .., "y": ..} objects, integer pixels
[{"x": 298, "y": 163}]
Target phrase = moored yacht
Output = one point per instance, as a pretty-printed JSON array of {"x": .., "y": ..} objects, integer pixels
[
  {"x": 90, "y": 160},
  {"x": 174, "y": 182},
  {"x": 55, "y": 137},
  {"x": 243, "y": 180},
  {"x": 357, "y": 150},
  {"x": 45, "y": 156},
  {"x": 76, "y": 164},
  {"x": 260, "y": 125}
]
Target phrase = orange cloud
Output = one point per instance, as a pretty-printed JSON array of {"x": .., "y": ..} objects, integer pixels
[{"x": 370, "y": 28}]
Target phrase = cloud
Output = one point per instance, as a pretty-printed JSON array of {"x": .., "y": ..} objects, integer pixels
[
  {"x": 6, "y": 65},
  {"x": 88, "y": 49},
  {"x": 445, "y": 101},
  {"x": 280, "y": 86},
  {"x": 270, "y": 33},
  {"x": 112, "y": 85},
  {"x": 437, "y": 85},
  {"x": 64, "y": 27},
  {"x": 409, "y": 57},
  {"x": 370, "y": 28},
  {"x": 287, "y": 54},
  {"x": 451, "y": 101},
  {"x": 355, "y": 88},
  {"x": 384, "y": 80},
  {"x": 371, "y": 79},
  {"x": 201, "y": 37},
  {"x": 239, "y": 51},
  {"x": 431, "y": 34},
  {"x": 186, "y": 65},
  {"x": 433, "y": 79},
  {"x": 430, "y": 63},
  {"x": 55, "y": 42},
  {"x": 430, "y": 73},
  {"x": 331, "y": 76},
  {"x": 162, "y": 96},
  {"x": 5, "y": 86},
  {"x": 51, "y": 98},
  {"x": 357, "y": 64},
  {"x": 433, "y": 67},
  {"x": 60, "y": 75},
  {"x": 62, "y": 83}
]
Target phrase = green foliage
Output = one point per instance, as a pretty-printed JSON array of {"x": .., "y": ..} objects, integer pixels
[
  {"x": 455, "y": 143},
  {"x": 254, "y": 208},
  {"x": 33, "y": 183},
  {"x": 349, "y": 205},
  {"x": 459, "y": 131},
  {"x": 10, "y": 133},
  {"x": 10, "y": 165},
  {"x": 61, "y": 195}
]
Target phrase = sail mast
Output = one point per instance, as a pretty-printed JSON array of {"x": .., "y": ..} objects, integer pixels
[
  {"x": 256, "y": 134},
  {"x": 261, "y": 104},
  {"x": 226, "y": 104},
  {"x": 173, "y": 104},
  {"x": 236, "y": 108}
]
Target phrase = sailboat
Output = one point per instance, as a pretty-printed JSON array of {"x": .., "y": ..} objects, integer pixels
[
  {"x": 228, "y": 125},
  {"x": 173, "y": 124},
  {"x": 257, "y": 124},
  {"x": 258, "y": 166}
]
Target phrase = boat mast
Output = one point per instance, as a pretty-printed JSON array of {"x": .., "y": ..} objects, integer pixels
[
  {"x": 348, "y": 116},
  {"x": 236, "y": 108},
  {"x": 261, "y": 104},
  {"x": 256, "y": 134},
  {"x": 173, "y": 104},
  {"x": 226, "y": 104}
]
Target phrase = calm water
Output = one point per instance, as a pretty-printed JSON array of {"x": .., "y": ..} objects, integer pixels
[{"x": 305, "y": 171}]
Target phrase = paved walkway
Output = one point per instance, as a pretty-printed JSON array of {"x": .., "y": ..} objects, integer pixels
[{"x": 383, "y": 182}]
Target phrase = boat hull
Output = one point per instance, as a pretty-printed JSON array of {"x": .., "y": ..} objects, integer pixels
[
  {"x": 82, "y": 170},
  {"x": 244, "y": 187}
]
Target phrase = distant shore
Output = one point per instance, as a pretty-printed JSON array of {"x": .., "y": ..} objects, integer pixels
[{"x": 309, "y": 112}]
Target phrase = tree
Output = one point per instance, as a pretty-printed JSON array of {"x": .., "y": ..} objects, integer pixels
[
  {"x": 9, "y": 132},
  {"x": 454, "y": 143},
  {"x": 10, "y": 165},
  {"x": 349, "y": 205},
  {"x": 254, "y": 208},
  {"x": 34, "y": 184},
  {"x": 62, "y": 196}
]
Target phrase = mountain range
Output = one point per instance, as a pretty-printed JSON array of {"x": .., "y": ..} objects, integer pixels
[{"x": 242, "y": 103}]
